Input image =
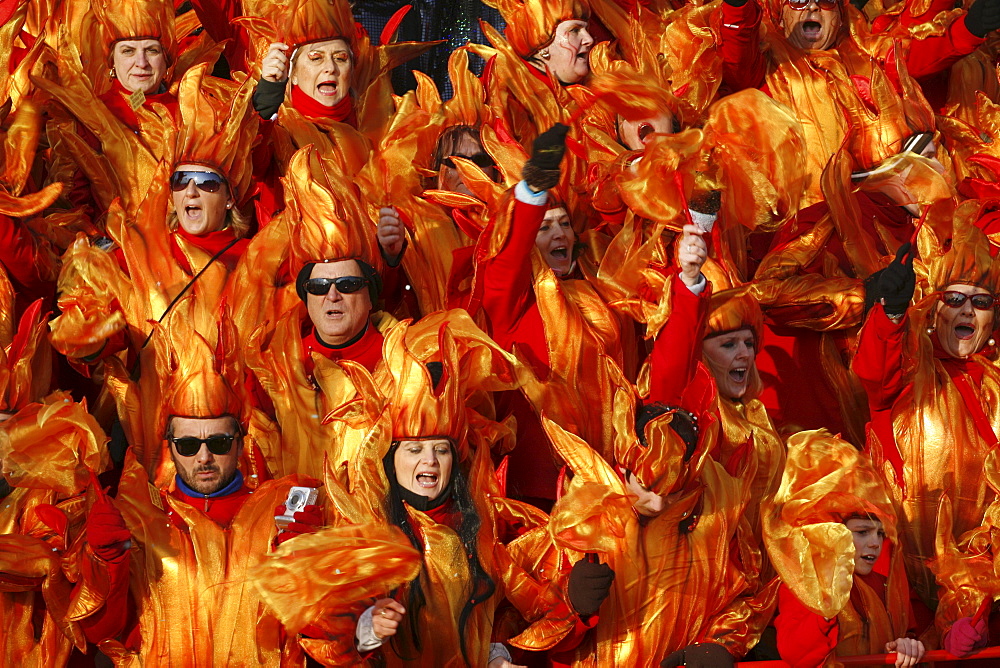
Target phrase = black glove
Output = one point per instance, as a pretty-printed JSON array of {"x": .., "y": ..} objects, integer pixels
[
  {"x": 267, "y": 97},
  {"x": 541, "y": 172},
  {"x": 983, "y": 17},
  {"x": 705, "y": 655},
  {"x": 589, "y": 584},
  {"x": 894, "y": 285}
]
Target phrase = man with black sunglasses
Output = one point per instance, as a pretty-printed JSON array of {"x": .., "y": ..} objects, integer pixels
[{"x": 340, "y": 296}]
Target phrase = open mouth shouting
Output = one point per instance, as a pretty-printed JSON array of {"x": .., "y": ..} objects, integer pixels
[
  {"x": 965, "y": 331},
  {"x": 427, "y": 480},
  {"x": 327, "y": 88},
  {"x": 812, "y": 30},
  {"x": 739, "y": 374}
]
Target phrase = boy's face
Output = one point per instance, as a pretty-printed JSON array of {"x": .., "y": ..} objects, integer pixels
[{"x": 868, "y": 538}]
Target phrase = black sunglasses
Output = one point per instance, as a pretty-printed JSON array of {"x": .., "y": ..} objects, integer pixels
[
  {"x": 207, "y": 181},
  {"x": 955, "y": 299},
  {"x": 345, "y": 285},
  {"x": 481, "y": 160},
  {"x": 189, "y": 446}
]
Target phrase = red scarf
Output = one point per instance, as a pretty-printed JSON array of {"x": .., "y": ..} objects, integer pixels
[
  {"x": 117, "y": 100},
  {"x": 342, "y": 112},
  {"x": 212, "y": 243},
  {"x": 366, "y": 351},
  {"x": 967, "y": 375}
]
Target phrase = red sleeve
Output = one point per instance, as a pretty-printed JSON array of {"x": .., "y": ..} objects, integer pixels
[
  {"x": 743, "y": 64},
  {"x": 110, "y": 619},
  {"x": 677, "y": 348},
  {"x": 507, "y": 287},
  {"x": 936, "y": 54},
  {"x": 805, "y": 639},
  {"x": 879, "y": 360}
]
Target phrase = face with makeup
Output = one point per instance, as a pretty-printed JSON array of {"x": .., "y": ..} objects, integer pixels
[
  {"x": 324, "y": 71},
  {"x": 567, "y": 56}
]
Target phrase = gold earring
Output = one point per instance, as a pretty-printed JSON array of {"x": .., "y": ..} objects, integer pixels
[
  {"x": 111, "y": 73},
  {"x": 931, "y": 330},
  {"x": 229, "y": 206},
  {"x": 992, "y": 342},
  {"x": 544, "y": 54}
]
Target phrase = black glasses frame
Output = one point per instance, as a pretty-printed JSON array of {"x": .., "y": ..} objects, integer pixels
[{"x": 345, "y": 285}]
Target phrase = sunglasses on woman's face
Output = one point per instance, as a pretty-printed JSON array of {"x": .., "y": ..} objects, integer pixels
[
  {"x": 481, "y": 160},
  {"x": 345, "y": 285},
  {"x": 800, "y": 5},
  {"x": 955, "y": 299},
  {"x": 206, "y": 181},
  {"x": 189, "y": 446}
]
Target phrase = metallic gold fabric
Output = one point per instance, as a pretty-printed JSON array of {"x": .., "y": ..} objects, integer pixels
[
  {"x": 531, "y": 24},
  {"x": 49, "y": 450},
  {"x": 302, "y": 578},
  {"x": 966, "y": 569},
  {"x": 53, "y": 445},
  {"x": 218, "y": 126},
  {"x": 668, "y": 590},
  {"x": 195, "y": 604},
  {"x": 329, "y": 221},
  {"x": 25, "y": 359},
  {"x": 826, "y": 480}
]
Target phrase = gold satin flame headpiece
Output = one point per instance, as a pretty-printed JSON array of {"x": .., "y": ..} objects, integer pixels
[
  {"x": 218, "y": 127},
  {"x": 732, "y": 310},
  {"x": 531, "y": 24},
  {"x": 138, "y": 19},
  {"x": 968, "y": 258},
  {"x": 302, "y": 22},
  {"x": 826, "y": 481},
  {"x": 200, "y": 372},
  {"x": 662, "y": 466},
  {"x": 332, "y": 222},
  {"x": 406, "y": 394},
  {"x": 469, "y": 363}
]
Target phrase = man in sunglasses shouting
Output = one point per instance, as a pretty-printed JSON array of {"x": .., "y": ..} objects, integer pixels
[{"x": 339, "y": 296}]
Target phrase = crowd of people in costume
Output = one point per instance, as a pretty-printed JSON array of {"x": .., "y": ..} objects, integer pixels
[{"x": 656, "y": 333}]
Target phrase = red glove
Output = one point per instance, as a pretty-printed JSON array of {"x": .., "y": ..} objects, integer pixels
[
  {"x": 106, "y": 530},
  {"x": 307, "y": 520},
  {"x": 965, "y": 636}
]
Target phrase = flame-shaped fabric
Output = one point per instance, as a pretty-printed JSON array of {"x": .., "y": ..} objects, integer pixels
[
  {"x": 53, "y": 445},
  {"x": 826, "y": 481},
  {"x": 531, "y": 24},
  {"x": 137, "y": 20},
  {"x": 218, "y": 126},
  {"x": 330, "y": 221}
]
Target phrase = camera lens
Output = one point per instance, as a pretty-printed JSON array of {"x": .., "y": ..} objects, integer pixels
[{"x": 295, "y": 499}]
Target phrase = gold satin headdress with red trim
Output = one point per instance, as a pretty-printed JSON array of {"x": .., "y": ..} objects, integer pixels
[
  {"x": 330, "y": 222},
  {"x": 138, "y": 19},
  {"x": 531, "y": 24},
  {"x": 218, "y": 126},
  {"x": 826, "y": 481}
]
